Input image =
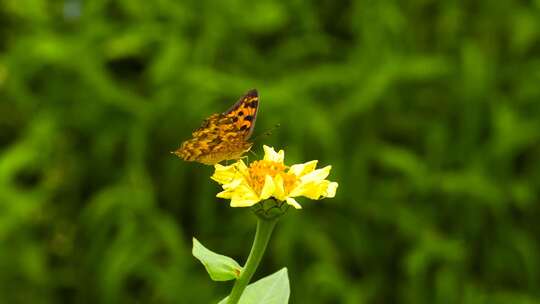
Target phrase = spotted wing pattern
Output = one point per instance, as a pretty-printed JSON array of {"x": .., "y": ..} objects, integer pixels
[{"x": 223, "y": 136}]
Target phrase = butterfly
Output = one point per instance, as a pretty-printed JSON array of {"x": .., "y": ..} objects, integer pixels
[{"x": 223, "y": 136}]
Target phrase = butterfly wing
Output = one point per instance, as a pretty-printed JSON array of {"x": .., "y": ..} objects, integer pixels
[
  {"x": 202, "y": 141},
  {"x": 243, "y": 113}
]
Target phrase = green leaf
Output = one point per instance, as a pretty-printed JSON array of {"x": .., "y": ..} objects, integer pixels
[
  {"x": 219, "y": 267},
  {"x": 273, "y": 289}
]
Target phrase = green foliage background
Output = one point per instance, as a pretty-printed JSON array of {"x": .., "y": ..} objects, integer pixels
[{"x": 428, "y": 111}]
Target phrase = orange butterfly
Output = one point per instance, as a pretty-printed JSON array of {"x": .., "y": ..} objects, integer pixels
[{"x": 223, "y": 136}]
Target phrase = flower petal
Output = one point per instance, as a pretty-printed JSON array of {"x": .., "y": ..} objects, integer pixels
[
  {"x": 331, "y": 190},
  {"x": 239, "y": 192},
  {"x": 315, "y": 189},
  {"x": 224, "y": 194},
  {"x": 233, "y": 184},
  {"x": 243, "y": 193},
  {"x": 316, "y": 175},
  {"x": 303, "y": 169},
  {"x": 291, "y": 201},
  {"x": 224, "y": 174},
  {"x": 271, "y": 155},
  {"x": 268, "y": 188},
  {"x": 279, "y": 191},
  {"x": 241, "y": 202}
]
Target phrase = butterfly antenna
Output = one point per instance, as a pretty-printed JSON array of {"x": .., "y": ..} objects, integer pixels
[{"x": 267, "y": 132}]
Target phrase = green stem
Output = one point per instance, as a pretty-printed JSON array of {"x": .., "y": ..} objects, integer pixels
[{"x": 262, "y": 236}]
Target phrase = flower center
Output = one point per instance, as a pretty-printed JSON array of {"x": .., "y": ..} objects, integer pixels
[{"x": 258, "y": 170}]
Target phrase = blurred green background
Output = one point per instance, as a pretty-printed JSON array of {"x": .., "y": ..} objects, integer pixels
[{"x": 428, "y": 111}]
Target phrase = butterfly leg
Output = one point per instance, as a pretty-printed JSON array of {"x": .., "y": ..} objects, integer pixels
[{"x": 253, "y": 153}]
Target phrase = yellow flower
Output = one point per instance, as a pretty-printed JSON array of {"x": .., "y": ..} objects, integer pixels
[{"x": 247, "y": 185}]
